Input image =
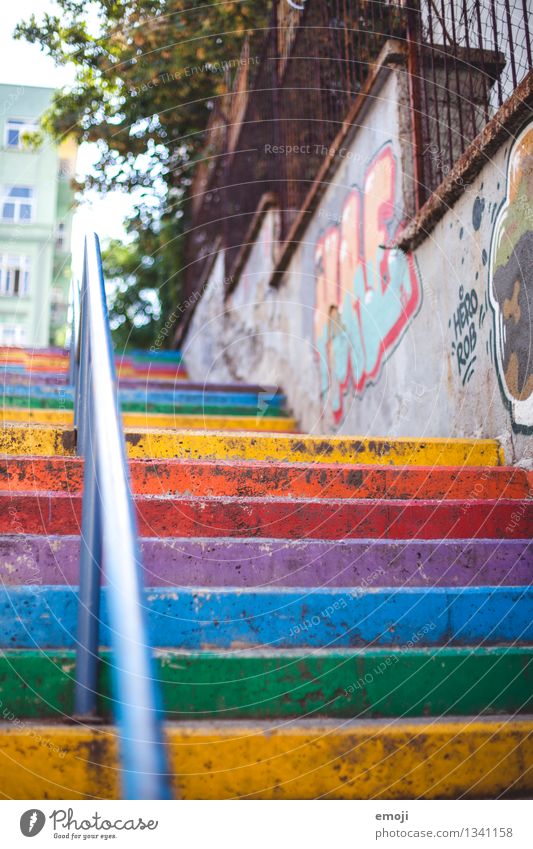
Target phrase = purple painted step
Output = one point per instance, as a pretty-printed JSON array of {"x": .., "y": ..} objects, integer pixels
[
  {"x": 140, "y": 383},
  {"x": 255, "y": 562}
]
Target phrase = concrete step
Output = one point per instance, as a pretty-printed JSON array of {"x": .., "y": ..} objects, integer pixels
[
  {"x": 146, "y": 443},
  {"x": 155, "y": 395},
  {"x": 160, "y": 355},
  {"x": 146, "y": 373},
  {"x": 29, "y": 360},
  {"x": 299, "y": 759},
  {"x": 17, "y": 353},
  {"x": 345, "y": 683},
  {"x": 34, "y": 365},
  {"x": 59, "y": 402},
  {"x": 14, "y": 352},
  {"x": 254, "y": 478},
  {"x": 260, "y": 422},
  {"x": 215, "y": 618},
  {"x": 60, "y": 367},
  {"x": 24, "y": 383},
  {"x": 282, "y": 518},
  {"x": 273, "y": 563}
]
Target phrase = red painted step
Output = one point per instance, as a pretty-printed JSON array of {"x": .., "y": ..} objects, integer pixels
[
  {"x": 54, "y": 513},
  {"x": 255, "y": 479}
]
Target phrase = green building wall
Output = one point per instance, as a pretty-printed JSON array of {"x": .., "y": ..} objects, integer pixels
[{"x": 39, "y": 318}]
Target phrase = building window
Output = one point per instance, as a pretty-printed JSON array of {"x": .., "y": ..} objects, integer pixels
[
  {"x": 14, "y": 276},
  {"x": 60, "y": 236},
  {"x": 13, "y": 334},
  {"x": 17, "y": 203},
  {"x": 65, "y": 168},
  {"x": 15, "y": 130}
]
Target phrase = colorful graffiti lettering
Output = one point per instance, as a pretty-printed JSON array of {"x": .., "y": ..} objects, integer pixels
[
  {"x": 366, "y": 293},
  {"x": 511, "y": 284},
  {"x": 464, "y": 328}
]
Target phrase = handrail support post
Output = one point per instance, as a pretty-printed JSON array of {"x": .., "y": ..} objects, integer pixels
[{"x": 85, "y": 696}]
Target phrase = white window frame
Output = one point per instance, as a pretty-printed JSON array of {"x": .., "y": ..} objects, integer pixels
[
  {"x": 13, "y": 335},
  {"x": 18, "y": 203},
  {"x": 10, "y": 264},
  {"x": 23, "y": 125}
]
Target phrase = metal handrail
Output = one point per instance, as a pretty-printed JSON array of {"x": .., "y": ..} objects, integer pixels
[
  {"x": 74, "y": 333},
  {"x": 109, "y": 541}
]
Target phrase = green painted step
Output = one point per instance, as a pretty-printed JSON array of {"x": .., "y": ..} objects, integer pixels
[
  {"x": 369, "y": 683},
  {"x": 58, "y": 403}
]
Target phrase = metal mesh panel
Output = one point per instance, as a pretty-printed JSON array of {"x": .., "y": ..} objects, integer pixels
[{"x": 469, "y": 54}]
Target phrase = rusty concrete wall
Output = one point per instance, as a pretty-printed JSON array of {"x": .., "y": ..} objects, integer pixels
[{"x": 367, "y": 340}]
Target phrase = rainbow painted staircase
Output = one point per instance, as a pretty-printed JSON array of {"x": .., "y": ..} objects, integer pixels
[{"x": 332, "y": 617}]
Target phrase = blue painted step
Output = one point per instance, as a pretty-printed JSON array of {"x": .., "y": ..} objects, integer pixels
[
  {"x": 159, "y": 396},
  {"x": 287, "y": 618},
  {"x": 151, "y": 356}
]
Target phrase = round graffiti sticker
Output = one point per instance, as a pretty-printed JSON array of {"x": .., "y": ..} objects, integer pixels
[{"x": 511, "y": 283}]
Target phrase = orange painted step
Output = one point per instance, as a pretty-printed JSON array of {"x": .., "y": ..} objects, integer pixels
[{"x": 256, "y": 479}]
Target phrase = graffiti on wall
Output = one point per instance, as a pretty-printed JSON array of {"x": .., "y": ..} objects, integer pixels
[
  {"x": 366, "y": 293},
  {"x": 511, "y": 283},
  {"x": 463, "y": 323}
]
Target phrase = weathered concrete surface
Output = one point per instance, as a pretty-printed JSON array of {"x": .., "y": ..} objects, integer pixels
[
  {"x": 24, "y": 382},
  {"x": 261, "y": 422},
  {"x": 161, "y": 394},
  {"x": 349, "y": 683},
  {"x": 306, "y": 759},
  {"x": 249, "y": 478},
  {"x": 220, "y": 562},
  {"x": 259, "y": 647},
  {"x": 365, "y": 340},
  {"x": 261, "y": 407},
  {"x": 47, "y": 440},
  {"x": 290, "y": 518},
  {"x": 124, "y": 367},
  {"x": 190, "y": 618}
]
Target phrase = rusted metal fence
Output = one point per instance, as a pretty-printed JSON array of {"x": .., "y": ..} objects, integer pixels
[
  {"x": 471, "y": 56},
  {"x": 273, "y": 133},
  {"x": 309, "y": 70}
]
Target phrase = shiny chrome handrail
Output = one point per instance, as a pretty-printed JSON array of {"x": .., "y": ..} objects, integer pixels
[{"x": 109, "y": 542}]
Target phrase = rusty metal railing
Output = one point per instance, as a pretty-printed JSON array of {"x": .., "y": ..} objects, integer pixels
[
  {"x": 465, "y": 59},
  {"x": 471, "y": 55}
]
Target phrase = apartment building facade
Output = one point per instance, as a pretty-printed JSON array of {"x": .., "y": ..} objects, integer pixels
[{"x": 36, "y": 210}]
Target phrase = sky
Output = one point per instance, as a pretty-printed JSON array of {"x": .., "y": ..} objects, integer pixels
[{"x": 24, "y": 64}]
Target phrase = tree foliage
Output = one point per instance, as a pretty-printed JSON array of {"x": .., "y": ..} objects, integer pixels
[
  {"x": 147, "y": 75},
  {"x": 144, "y": 277}
]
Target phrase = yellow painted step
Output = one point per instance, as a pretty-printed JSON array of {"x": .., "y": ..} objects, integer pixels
[
  {"x": 263, "y": 424},
  {"x": 39, "y": 440},
  {"x": 143, "y": 372},
  {"x": 369, "y": 759},
  {"x": 325, "y": 449},
  {"x": 28, "y": 361},
  {"x": 144, "y": 443}
]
